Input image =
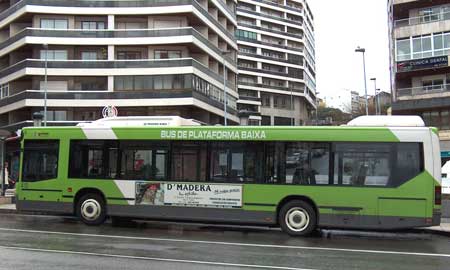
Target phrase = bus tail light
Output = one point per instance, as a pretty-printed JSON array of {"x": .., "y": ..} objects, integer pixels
[{"x": 437, "y": 195}]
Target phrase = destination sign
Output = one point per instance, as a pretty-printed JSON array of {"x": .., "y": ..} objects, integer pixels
[{"x": 213, "y": 134}]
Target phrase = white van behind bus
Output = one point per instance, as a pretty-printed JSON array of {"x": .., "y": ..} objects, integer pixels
[{"x": 446, "y": 178}]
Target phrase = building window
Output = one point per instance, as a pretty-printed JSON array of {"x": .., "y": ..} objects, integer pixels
[
  {"x": 273, "y": 82},
  {"x": 436, "y": 44},
  {"x": 433, "y": 85},
  {"x": 54, "y": 23},
  {"x": 129, "y": 55},
  {"x": 273, "y": 54},
  {"x": 92, "y": 25},
  {"x": 53, "y": 54},
  {"x": 131, "y": 83},
  {"x": 88, "y": 55},
  {"x": 159, "y": 54},
  {"x": 131, "y": 25},
  {"x": 247, "y": 49},
  {"x": 246, "y": 34},
  {"x": 55, "y": 115},
  {"x": 265, "y": 120},
  {"x": 4, "y": 90},
  {"x": 246, "y": 63},
  {"x": 265, "y": 100},
  {"x": 282, "y": 121},
  {"x": 247, "y": 79},
  {"x": 432, "y": 14}
]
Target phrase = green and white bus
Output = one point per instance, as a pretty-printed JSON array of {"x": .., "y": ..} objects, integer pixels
[{"x": 374, "y": 173}]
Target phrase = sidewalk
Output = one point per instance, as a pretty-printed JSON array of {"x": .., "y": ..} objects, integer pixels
[{"x": 443, "y": 229}]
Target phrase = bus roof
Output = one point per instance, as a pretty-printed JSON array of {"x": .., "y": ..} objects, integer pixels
[{"x": 387, "y": 121}]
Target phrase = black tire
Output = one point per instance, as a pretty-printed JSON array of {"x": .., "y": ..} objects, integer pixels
[
  {"x": 297, "y": 218},
  {"x": 91, "y": 209}
]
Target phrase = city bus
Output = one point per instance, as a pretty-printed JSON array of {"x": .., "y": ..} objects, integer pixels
[{"x": 376, "y": 172}]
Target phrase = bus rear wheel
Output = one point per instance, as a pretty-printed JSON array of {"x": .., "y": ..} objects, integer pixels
[
  {"x": 297, "y": 218},
  {"x": 91, "y": 209}
]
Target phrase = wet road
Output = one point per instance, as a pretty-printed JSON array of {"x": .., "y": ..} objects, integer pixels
[{"x": 48, "y": 242}]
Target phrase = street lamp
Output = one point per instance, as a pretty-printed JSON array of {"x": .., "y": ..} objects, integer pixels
[
  {"x": 363, "y": 51},
  {"x": 375, "y": 83},
  {"x": 292, "y": 110},
  {"x": 45, "y": 85},
  {"x": 377, "y": 92},
  {"x": 225, "y": 101}
]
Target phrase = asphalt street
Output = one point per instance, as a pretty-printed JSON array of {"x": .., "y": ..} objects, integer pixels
[{"x": 49, "y": 242}]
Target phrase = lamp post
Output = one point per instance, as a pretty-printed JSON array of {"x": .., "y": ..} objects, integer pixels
[
  {"x": 377, "y": 92},
  {"x": 45, "y": 84},
  {"x": 292, "y": 110},
  {"x": 375, "y": 98},
  {"x": 363, "y": 51},
  {"x": 225, "y": 101}
]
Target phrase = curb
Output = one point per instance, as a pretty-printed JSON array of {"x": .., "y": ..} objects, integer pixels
[{"x": 435, "y": 232}]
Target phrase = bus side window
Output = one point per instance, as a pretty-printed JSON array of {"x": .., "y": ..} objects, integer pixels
[
  {"x": 40, "y": 160},
  {"x": 236, "y": 161},
  {"x": 94, "y": 159},
  {"x": 307, "y": 163},
  {"x": 189, "y": 161},
  {"x": 376, "y": 164},
  {"x": 143, "y": 160}
]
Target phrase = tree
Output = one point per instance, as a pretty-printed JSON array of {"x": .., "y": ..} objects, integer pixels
[{"x": 332, "y": 116}]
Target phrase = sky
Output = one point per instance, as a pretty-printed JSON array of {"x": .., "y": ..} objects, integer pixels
[{"x": 340, "y": 27}]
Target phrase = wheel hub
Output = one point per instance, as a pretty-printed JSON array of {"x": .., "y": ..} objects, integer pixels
[
  {"x": 91, "y": 209},
  {"x": 297, "y": 219}
]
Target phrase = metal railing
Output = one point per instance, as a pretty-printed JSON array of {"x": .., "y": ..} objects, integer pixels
[
  {"x": 116, "y": 33},
  {"x": 115, "y": 4},
  {"x": 115, "y": 64},
  {"x": 422, "y": 19},
  {"x": 423, "y": 90}
]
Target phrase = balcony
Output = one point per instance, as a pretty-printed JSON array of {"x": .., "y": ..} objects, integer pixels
[
  {"x": 295, "y": 22},
  {"x": 111, "y": 37},
  {"x": 112, "y": 68},
  {"x": 249, "y": 100},
  {"x": 108, "y": 7},
  {"x": 97, "y": 98},
  {"x": 424, "y": 92},
  {"x": 422, "y": 19}
]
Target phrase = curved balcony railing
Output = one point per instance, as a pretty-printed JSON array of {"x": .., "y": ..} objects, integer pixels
[
  {"x": 116, "y": 64},
  {"x": 124, "y": 95},
  {"x": 106, "y": 34},
  {"x": 114, "y": 4}
]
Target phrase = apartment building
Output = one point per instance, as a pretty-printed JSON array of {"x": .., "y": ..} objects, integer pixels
[
  {"x": 420, "y": 72},
  {"x": 276, "y": 62},
  {"x": 146, "y": 57}
]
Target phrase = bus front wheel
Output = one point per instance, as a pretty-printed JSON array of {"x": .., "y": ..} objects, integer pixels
[
  {"x": 297, "y": 218},
  {"x": 91, "y": 209}
]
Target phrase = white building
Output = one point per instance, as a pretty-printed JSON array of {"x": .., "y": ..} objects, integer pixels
[
  {"x": 148, "y": 57},
  {"x": 276, "y": 62}
]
